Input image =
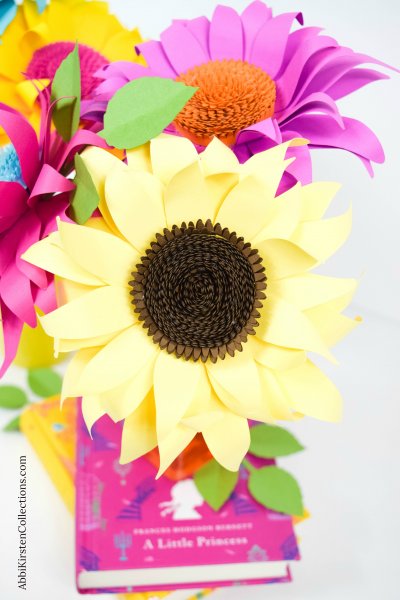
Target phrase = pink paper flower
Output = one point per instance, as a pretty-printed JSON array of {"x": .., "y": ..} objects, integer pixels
[
  {"x": 33, "y": 192},
  {"x": 259, "y": 84}
]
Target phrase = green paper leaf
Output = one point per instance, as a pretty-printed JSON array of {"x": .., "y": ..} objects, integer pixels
[
  {"x": 215, "y": 483},
  {"x": 269, "y": 441},
  {"x": 66, "y": 89},
  {"x": 276, "y": 489},
  {"x": 12, "y": 425},
  {"x": 44, "y": 382},
  {"x": 12, "y": 397},
  {"x": 142, "y": 109},
  {"x": 85, "y": 199}
]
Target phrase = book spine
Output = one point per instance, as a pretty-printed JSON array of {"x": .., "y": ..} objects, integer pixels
[{"x": 36, "y": 431}]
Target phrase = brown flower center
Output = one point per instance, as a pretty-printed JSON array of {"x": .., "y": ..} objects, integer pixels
[
  {"x": 46, "y": 60},
  {"x": 232, "y": 95},
  {"x": 198, "y": 291}
]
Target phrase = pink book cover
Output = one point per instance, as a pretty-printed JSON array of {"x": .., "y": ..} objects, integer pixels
[{"x": 135, "y": 533}]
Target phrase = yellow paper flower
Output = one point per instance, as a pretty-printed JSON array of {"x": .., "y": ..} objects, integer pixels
[
  {"x": 35, "y": 349},
  {"x": 190, "y": 302},
  {"x": 34, "y": 45}
]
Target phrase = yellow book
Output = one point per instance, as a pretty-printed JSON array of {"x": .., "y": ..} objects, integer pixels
[{"x": 51, "y": 432}]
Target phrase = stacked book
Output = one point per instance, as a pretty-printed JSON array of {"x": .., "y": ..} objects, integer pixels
[{"x": 147, "y": 537}]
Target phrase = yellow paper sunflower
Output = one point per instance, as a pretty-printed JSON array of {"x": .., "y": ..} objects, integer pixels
[
  {"x": 34, "y": 45},
  {"x": 190, "y": 302}
]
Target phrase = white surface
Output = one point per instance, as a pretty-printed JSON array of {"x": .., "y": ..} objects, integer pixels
[{"x": 349, "y": 473}]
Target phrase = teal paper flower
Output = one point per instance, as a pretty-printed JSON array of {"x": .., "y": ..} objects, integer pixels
[{"x": 10, "y": 167}]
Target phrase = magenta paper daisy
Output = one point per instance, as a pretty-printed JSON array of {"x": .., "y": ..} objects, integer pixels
[
  {"x": 33, "y": 193},
  {"x": 259, "y": 84}
]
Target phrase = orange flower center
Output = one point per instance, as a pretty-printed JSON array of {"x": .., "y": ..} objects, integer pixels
[{"x": 232, "y": 95}]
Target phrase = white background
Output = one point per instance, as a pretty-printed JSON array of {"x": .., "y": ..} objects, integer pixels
[{"x": 350, "y": 472}]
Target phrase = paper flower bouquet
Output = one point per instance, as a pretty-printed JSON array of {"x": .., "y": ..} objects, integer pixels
[{"x": 159, "y": 207}]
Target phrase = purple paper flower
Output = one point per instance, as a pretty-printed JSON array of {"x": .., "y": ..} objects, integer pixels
[
  {"x": 33, "y": 193},
  {"x": 259, "y": 84}
]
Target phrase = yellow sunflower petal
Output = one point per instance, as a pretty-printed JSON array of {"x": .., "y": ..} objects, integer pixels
[
  {"x": 99, "y": 164},
  {"x": 139, "y": 159},
  {"x": 278, "y": 403},
  {"x": 311, "y": 392},
  {"x": 309, "y": 290},
  {"x": 316, "y": 198},
  {"x": 73, "y": 372},
  {"x": 124, "y": 399},
  {"x": 104, "y": 255},
  {"x": 283, "y": 216},
  {"x": 270, "y": 165},
  {"x": 73, "y": 345},
  {"x": 217, "y": 187},
  {"x": 275, "y": 357},
  {"x": 281, "y": 258},
  {"x": 340, "y": 303},
  {"x": 176, "y": 384},
  {"x": 97, "y": 223},
  {"x": 101, "y": 311},
  {"x": 245, "y": 209},
  {"x": 283, "y": 324},
  {"x": 257, "y": 411},
  {"x": 202, "y": 421},
  {"x": 228, "y": 440},
  {"x": 171, "y": 154},
  {"x": 92, "y": 410},
  {"x": 186, "y": 198},
  {"x": 331, "y": 325},
  {"x": 136, "y": 205},
  {"x": 217, "y": 158},
  {"x": 238, "y": 378},
  {"x": 172, "y": 445},
  {"x": 139, "y": 432},
  {"x": 322, "y": 238},
  {"x": 67, "y": 290},
  {"x": 50, "y": 257},
  {"x": 120, "y": 360},
  {"x": 205, "y": 408}
]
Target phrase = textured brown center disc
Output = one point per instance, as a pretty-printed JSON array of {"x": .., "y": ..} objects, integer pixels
[
  {"x": 232, "y": 95},
  {"x": 197, "y": 290}
]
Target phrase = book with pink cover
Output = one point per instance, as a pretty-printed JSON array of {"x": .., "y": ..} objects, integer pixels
[
  {"x": 136, "y": 533},
  {"x": 52, "y": 433}
]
